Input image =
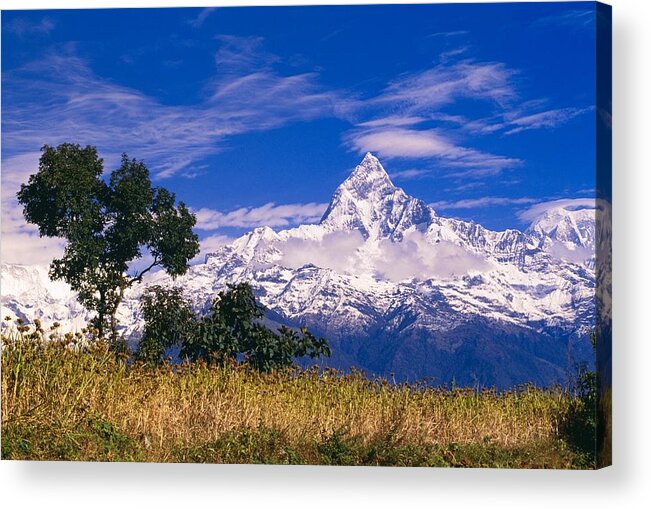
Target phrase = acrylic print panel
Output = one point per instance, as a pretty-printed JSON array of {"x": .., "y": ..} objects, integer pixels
[{"x": 338, "y": 235}]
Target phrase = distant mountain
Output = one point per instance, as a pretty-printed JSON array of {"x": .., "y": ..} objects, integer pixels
[
  {"x": 397, "y": 289},
  {"x": 368, "y": 202}
]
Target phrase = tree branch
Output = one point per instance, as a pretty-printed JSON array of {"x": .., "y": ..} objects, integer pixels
[{"x": 138, "y": 278}]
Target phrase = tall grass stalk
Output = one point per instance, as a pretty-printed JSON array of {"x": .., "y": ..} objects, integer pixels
[{"x": 56, "y": 385}]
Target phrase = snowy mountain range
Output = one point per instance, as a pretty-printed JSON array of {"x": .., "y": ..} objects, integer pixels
[{"x": 398, "y": 290}]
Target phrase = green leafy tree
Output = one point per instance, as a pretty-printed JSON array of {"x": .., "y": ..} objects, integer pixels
[
  {"x": 231, "y": 329},
  {"x": 269, "y": 350},
  {"x": 107, "y": 225},
  {"x": 168, "y": 321},
  {"x": 227, "y": 328}
]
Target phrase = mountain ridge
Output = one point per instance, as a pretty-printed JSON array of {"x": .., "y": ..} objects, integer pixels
[{"x": 390, "y": 282}]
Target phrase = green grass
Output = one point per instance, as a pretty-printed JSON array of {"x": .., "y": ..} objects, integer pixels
[{"x": 62, "y": 401}]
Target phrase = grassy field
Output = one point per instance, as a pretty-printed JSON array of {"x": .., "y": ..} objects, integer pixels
[{"x": 64, "y": 403}]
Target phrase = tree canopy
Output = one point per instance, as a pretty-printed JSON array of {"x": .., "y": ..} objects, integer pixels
[
  {"x": 232, "y": 328},
  {"x": 107, "y": 225}
]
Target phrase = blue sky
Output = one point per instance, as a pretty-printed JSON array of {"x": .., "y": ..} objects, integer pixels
[{"x": 253, "y": 116}]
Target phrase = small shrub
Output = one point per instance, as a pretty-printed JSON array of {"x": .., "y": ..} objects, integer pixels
[{"x": 339, "y": 448}]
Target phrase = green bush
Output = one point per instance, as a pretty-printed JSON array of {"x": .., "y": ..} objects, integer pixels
[
  {"x": 168, "y": 321},
  {"x": 231, "y": 330}
]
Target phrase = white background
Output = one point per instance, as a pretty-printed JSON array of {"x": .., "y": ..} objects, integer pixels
[{"x": 626, "y": 484}]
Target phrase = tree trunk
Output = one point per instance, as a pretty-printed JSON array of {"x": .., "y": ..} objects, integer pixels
[
  {"x": 101, "y": 313},
  {"x": 114, "y": 320}
]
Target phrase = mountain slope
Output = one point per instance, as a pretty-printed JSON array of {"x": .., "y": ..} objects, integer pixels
[{"x": 396, "y": 288}]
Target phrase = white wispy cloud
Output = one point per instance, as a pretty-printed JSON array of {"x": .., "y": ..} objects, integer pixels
[
  {"x": 413, "y": 258},
  {"x": 451, "y": 33},
  {"x": 536, "y": 207},
  {"x": 238, "y": 53},
  {"x": 61, "y": 99},
  {"x": 20, "y": 241},
  {"x": 29, "y": 248},
  {"x": 263, "y": 100},
  {"x": 409, "y": 119},
  {"x": 393, "y": 121},
  {"x": 484, "y": 201},
  {"x": 429, "y": 90},
  {"x": 422, "y": 97},
  {"x": 62, "y": 91},
  {"x": 398, "y": 142},
  {"x": 417, "y": 258},
  {"x": 270, "y": 214},
  {"x": 526, "y": 116},
  {"x": 210, "y": 244},
  {"x": 425, "y": 144},
  {"x": 543, "y": 120},
  {"x": 199, "y": 19},
  {"x": 22, "y": 27},
  {"x": 213, "y": 242},
  {"x": 336, "y": 250},
  {"x": 578, "y": 18},
  {"x": 452, "y": 53},
  {"x": 409, "y": 174}
]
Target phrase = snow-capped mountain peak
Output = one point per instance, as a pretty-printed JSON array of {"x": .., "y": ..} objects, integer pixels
[
  {"x": 368, "y": 177},
  {"x": 566, "y": 224},
  {"x": 394, "y": 287},
  {"x": 567, "y": 232},
  {"x": 368, "y": 201},
  {"x": 249, "y": 244}
]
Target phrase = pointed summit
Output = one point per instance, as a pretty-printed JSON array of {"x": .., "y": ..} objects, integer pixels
[
  {"x": 571, "y": 226},
  {"x": 372, "y": 163},
  {"x": 368, "y": 201},
  {"x": 369, "y": 175}
]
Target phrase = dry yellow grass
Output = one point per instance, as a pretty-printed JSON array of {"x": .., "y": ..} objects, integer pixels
[{"x": 186, "y": 405}]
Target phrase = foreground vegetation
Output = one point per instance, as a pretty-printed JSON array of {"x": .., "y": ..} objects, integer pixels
[
  {"x": 241, "y": 400},
  {"x": 69, "y": 402}
]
